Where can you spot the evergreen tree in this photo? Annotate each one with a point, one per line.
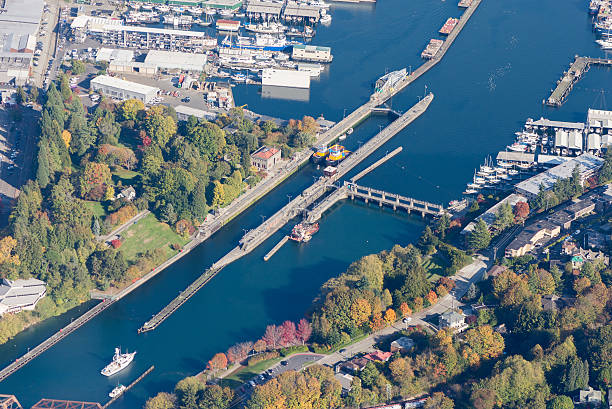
(480, 237)
(471, 292)
(43, 172)
(21, 96)
(95, 227)
(443, 224)
(504, 217)
(65, 90)
(168, 215)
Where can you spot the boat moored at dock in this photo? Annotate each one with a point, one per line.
(320, 154)
(303, 232)
(337, 154)
(449, 26)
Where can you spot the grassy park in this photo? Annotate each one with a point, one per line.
(149, 234)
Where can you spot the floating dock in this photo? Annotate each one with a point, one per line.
(465, 3)
(450, 24)
(376, 164)
(576, 70)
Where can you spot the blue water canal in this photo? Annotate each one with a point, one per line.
(495, 76)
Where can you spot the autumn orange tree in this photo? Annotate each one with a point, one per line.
(482, 343)
(218, 361)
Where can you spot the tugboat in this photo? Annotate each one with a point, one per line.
(337, 153)
(117, 390)
(320, 154)
(303, 232)
(120, 362)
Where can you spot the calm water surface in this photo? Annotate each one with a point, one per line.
(495, 76)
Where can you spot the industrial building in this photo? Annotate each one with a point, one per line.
(266, 10)
(20, 295)
(588, 166)
(184, 112)
(113, 54)
(120, 89)
(227, 25)
(19, 22)
(600, 121)
(222, 4)
(132, 67)
(176, 60)
(113, 32)
(302, 52)
(301, 12)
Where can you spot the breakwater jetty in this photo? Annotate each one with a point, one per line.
(576, 71)
(309, 196)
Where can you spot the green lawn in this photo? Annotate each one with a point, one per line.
(96, 208)
(149, 234)
(125, 176)
(434, 267)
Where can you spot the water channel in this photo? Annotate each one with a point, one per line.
(495, 76)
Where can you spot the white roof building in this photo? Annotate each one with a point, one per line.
(183, 113)
(120, 89)
(19, 295)
(113, 54)
(598, 118)
(588, 164)
(171, 60)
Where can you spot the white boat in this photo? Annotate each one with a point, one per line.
(342, 137)
(524, 165)
(470, 191)
(120, 362)
(117, 390)
(605, 44)
(209, 11)
(266, 28)
(162, 8)
(517, 147)
(513, 172)
(474, 186)
(326, 19)
(350, 131)
(319, 4)
(504, 164)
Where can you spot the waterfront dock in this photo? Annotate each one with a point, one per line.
(130, 386)
(309, 196)
(376, 164)
(577, 69)
(276, 248)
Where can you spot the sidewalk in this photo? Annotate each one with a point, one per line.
(124, 226)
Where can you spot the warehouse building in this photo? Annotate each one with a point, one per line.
(19, 22)
(222, 4)
(302, 52)
(588, 166)
(301, 12)
(176, 60)
(113, 54)
(600, 121)
(266, 10)
(183, 113)
(120, 89)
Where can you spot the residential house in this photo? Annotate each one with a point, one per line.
(346, 381)
(352, 366)
(19, 295)
(266, 158)
(582, 255)
(552, 303)
(403, 345)
(378, 356)
(129, 194)
(589, 396)
(532, 236)
(453, 320)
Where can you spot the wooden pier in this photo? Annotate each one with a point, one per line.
(570, 77)
(301, 203)
(145, 373)
(9, 402)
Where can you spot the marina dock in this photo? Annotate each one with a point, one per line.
(376, 164)
(145, 373)
(570, 77)
(309, 196)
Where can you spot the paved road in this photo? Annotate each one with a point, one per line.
(124, 226)
(463, 279)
